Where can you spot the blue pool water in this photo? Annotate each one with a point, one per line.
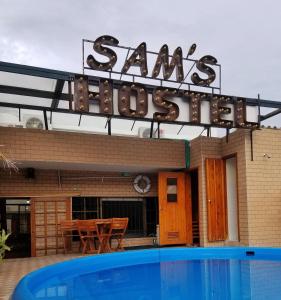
(179, 273)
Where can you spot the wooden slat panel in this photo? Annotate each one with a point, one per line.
(45, 228)
(46, 214)
(56, 226)
(216, 199)
(33, 228)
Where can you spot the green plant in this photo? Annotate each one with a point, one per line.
(3, 246)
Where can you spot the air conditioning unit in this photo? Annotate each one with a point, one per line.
(15, 125)
(34, 123)
(144, 132)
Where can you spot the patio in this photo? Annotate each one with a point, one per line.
(12, 270)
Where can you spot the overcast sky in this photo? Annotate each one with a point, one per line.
(244, 36)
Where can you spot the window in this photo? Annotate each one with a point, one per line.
(84, 208)
(172, 189)
(126, 208)
(142, 212)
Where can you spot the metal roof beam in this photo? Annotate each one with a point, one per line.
(271, 114)
(61, 75)
(57, 93)
(67, 111)
(34, 71)
(13, 90)
(263, 103)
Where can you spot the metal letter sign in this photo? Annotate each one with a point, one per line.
(139, 101)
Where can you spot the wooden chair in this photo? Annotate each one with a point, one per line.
(119, 227)
(67, 227)
(87, 230)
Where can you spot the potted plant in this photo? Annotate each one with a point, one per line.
(3, 245)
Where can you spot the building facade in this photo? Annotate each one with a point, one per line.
(229, 195)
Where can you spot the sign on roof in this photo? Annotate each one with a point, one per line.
(140, 62)
(138, 101)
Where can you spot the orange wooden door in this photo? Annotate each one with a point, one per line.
(172, 209)
(216, 199)
(46, 215)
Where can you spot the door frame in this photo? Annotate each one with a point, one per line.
(233, 155)
(187, 210)
(21, 198)
(197, 169)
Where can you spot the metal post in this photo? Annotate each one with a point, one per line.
(252, 150)
(80, 120)
(259, 103)
(45, 119)
(227, 134)
(220, 78)
(109, 127)
(83, 58)
(180, 129)
(151, 129)
(70, 95)
(133, 125)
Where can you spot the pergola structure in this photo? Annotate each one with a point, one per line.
(52, 91)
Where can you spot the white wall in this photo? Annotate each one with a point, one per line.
(231, 188)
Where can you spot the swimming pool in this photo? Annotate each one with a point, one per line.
(170, 273)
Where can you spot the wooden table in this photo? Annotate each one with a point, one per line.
(103, 230)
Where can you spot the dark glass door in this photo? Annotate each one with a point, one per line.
(15, 219)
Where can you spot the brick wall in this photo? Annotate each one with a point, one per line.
(204, 147)
(101, 151)
(51, 148)
(263, 177)
(236, 145)
(259, 184)
(84, 183)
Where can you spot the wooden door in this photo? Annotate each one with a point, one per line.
(173, 209)
(46, 215)
(216, 199)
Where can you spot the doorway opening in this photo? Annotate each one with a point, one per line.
(232, 198)
(15, 219)
(195, 207)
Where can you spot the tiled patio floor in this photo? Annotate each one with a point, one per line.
(12, 270)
